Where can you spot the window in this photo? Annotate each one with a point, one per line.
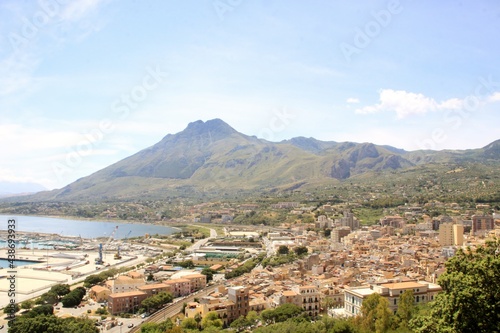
(394, 301)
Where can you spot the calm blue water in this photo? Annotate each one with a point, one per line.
(86, 229)
(4, 263)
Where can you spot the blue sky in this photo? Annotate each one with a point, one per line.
(86, 83)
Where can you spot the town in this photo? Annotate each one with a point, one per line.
(326, 266)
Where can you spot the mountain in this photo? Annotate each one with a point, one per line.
(213, 157)
(19, 188)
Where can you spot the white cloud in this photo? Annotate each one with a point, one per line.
(495, 97)
(407, 103)
(78, 9)
(352, 100)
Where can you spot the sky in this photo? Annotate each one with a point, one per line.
(86, 83)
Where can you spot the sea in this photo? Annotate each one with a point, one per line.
(82, 228)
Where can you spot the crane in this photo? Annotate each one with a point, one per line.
(110, 238)
(103, 248)
(117, 254)
(125, 238)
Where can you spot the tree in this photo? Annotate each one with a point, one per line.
(74, 297)
(470, 299)
(283, 249)
(60, 289)
(26, 305)
(92, 280)
(46, 309)
(11, 307)
(240, 324)
(156, 328)
(50, 297)
(209, 273)
(252, 317)
(211, 320)
(52, 324)
(375, 314)
(186, 264)
(406, 308)
(281, 313)
(189, 324)
(198, 318)
(300, 250)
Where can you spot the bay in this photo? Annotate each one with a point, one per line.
(83, 228)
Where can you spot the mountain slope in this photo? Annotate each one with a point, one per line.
(212, 156)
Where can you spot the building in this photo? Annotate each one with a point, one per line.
(338, 233)
(239, 296)
(422, 291)
(127, 302)
(458, 234)
(124, 283)
(349, 220)
(323, 222)
(481, 224)
(99, 293)
(395, 221)
(179, 287)
(306, 297)
(446, 234)
(309, 298)
(196, 281)
(153, 289)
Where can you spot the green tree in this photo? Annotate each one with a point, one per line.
(300, 250)
(46, 309)
(209, 273)
(74, 297)
(156, 327)
(60, 289)
(186, 264)
(189, 324)
(252, 317)
(211, 320)
(470, 300)
(52, 324)
(283, 249)
(406, 308)
(240, 324)
(92, 280)
(26, 305)
(50, 297)
(11, 307)
(281, 313)
(375, 314)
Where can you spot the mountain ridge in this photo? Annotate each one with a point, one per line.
(213, 155)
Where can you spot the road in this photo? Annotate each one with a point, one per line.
(201, 242)
(174, 308)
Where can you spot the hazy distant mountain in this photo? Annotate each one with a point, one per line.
(17, 188)
(213, 156)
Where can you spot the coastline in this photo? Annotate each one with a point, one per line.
(77, 218)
